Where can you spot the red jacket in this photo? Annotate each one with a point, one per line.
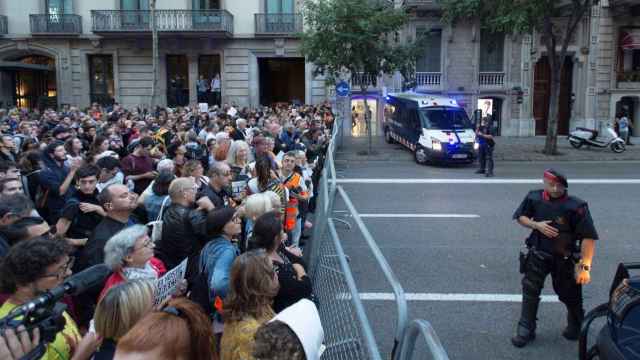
(117, 277)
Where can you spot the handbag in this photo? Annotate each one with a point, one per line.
(156, 226)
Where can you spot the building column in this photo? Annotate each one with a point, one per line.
(254, 81)
(193, 78)
(590, 91)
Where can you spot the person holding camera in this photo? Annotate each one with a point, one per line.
(31, 268)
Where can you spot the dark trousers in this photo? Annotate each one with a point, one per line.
(486, 158)
(540, 264)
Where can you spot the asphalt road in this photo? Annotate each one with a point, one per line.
(477, 255)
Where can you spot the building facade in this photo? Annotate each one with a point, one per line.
(82, 51)
(507, 76)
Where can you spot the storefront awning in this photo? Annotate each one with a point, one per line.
(630, 39)
(17, 65)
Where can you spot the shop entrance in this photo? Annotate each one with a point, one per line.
(31, 81)
(358, 123)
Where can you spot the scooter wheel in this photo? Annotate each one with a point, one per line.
(618, 147)
(577, 144)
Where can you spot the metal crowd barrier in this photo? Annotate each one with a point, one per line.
(348, 333)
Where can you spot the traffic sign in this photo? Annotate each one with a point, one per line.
(343, 89)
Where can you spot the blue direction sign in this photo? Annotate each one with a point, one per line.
(343, 89)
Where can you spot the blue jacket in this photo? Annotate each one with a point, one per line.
(51, 177)
(216, 258)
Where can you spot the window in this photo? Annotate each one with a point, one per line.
(443, 118)
(430, 61)
(491, 52)
(635, 60)
(134, 4)
(57, 7)
(279, 6)
(101, 81)
(206, 4)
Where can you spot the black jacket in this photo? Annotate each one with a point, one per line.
(183, 234)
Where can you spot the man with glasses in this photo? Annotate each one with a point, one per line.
(33, 267)
(139, 165)
(562, 243)
(218, 190)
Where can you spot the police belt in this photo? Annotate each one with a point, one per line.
(544, 255)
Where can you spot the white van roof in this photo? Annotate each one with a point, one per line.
(426, 100)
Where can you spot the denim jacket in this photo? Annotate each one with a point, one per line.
(216, 258)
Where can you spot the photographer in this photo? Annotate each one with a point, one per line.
(31, 268)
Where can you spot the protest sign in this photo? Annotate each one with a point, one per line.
(166, 285)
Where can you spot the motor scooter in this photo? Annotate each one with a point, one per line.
(619, 338)
(583, 136)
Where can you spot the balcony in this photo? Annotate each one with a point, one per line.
(422, 4)
(629, 80)
(55, 24)
(359, 79)
(428, 79)
(118, 22)
(491, 79)
(278, 25)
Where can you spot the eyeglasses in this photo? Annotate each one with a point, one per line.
(62, 272)
(146, 244)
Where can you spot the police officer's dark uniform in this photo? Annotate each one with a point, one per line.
(486, 149)
(556, 256)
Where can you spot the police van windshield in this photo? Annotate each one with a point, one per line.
(444, 118)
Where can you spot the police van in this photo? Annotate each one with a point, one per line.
(434, 128)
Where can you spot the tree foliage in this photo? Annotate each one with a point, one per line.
(556, 20)
(357, 36)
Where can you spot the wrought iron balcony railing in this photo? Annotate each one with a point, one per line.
(278, 24)
(166, 21)
(4, 25)
(52, 24)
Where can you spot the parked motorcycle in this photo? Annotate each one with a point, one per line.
(619, 338)
(583, 136)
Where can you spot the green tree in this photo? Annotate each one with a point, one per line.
(555, 20)
(343, 37)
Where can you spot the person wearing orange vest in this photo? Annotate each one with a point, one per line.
(297, 191)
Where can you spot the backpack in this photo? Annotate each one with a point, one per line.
(156, 226)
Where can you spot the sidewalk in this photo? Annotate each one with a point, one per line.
(507, 149)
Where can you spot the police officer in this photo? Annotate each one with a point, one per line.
(487, 143)
(562, 244)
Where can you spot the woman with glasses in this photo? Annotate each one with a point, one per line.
(31, 268)
(129, 253)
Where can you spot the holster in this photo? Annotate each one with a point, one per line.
(523, 257)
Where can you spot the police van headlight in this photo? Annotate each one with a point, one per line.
(476, 146)
(436, 145)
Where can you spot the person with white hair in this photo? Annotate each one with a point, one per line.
(239, 131)
(238, 160)
(255, 206)
(129, 254)
(164, 166)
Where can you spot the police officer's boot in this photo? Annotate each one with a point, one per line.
(526, 330)
(575, 314)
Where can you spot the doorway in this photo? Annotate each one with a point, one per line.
(209, 71)
(629, 106)
(492, 108)
(177, 80)
(542, 94)
(282, 80)
(358, 123)
(32, 80)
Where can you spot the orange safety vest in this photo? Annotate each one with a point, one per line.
(291, 210)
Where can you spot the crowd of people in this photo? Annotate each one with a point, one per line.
(229, 189)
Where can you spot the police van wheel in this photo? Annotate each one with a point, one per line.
(387, 137)
(420, 156)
